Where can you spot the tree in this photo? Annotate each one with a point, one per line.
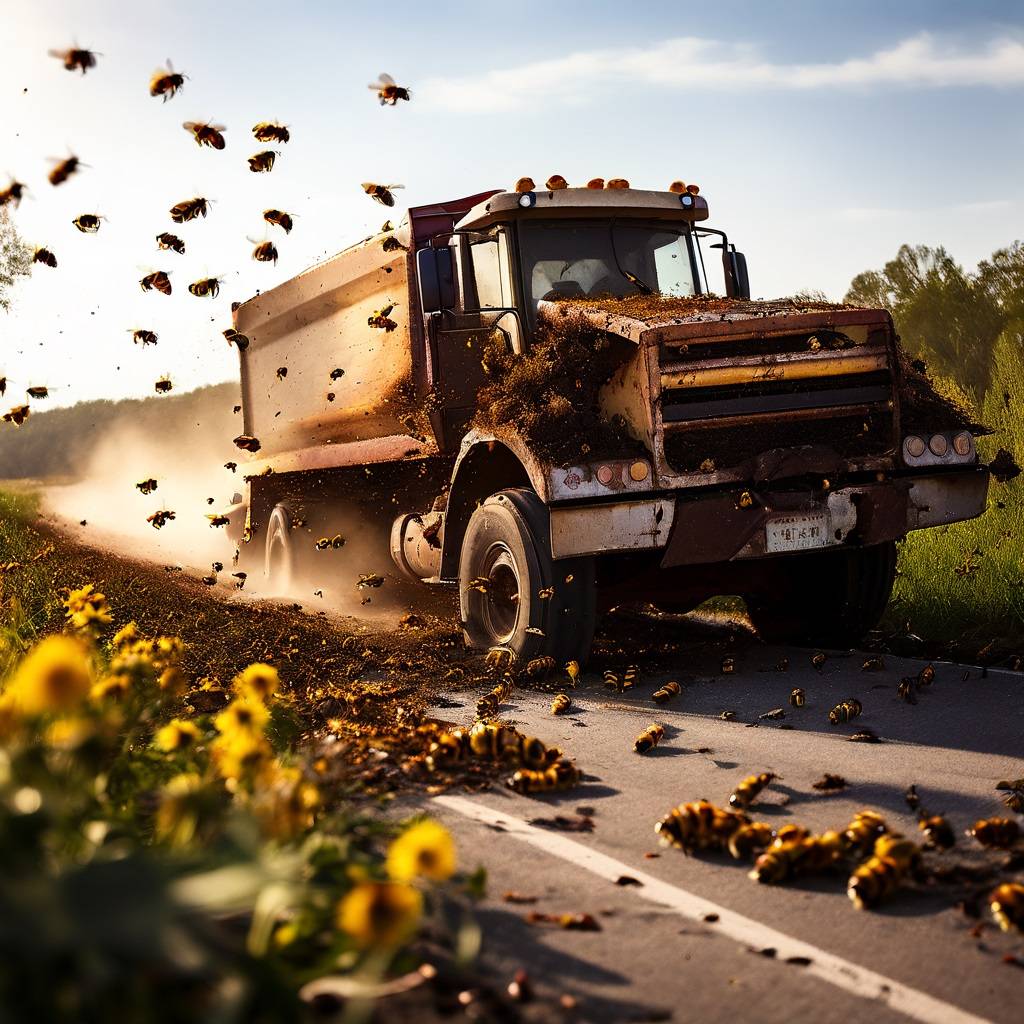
(15, 258)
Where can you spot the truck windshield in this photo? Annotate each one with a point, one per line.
(567, 259)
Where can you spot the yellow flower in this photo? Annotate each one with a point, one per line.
(86, 608)
(70, 733)
(167, 651)
(243, 714)
(186, 805)
(287, 806)
(381, 914)
(241, 755)
(172, 681)
(115, 686)
(258, 680)
(55, 676)
(126, 635)
(425, 850)
(176, 735)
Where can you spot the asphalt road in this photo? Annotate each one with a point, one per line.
(656, 954)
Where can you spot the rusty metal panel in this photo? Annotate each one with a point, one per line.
(333, 456)
(776, 368)
(947, 498)
(622, 526)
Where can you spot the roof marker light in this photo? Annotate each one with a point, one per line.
(686, 199)
(528, 199)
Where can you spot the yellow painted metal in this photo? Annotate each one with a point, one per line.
(780, 368)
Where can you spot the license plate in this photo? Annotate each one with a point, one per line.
(798, 533)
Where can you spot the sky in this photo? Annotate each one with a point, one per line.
(822, 135)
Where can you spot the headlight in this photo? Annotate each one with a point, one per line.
(914, 446)
(939, 445)
(963, 443)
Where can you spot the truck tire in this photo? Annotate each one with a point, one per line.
(507, 542)
(279, 561)
(828, 598)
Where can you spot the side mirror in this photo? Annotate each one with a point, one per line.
(737, 284)
(436, 279)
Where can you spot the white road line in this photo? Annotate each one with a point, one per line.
(826, 966)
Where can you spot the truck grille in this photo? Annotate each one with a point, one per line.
(730, 400)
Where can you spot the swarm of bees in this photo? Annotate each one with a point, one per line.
(388, 92)
(205, 133)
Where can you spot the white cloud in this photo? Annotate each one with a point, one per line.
(694, 63)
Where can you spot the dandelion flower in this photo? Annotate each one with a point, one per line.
(86, 608)
(55, 676)
(241, 755)
(242, 715)
(425, 850)
(176, 735)
(380, 914)
(258, 680)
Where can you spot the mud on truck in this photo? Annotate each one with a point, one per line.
(557, 416)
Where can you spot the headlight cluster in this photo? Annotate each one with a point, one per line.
(939, 449)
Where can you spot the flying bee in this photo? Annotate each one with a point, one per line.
(382, 320)
(76, 59)
(147, 486)
(561, 704)
(218, 520)
(206, 134)
(163, 386)
(142, 337)
(269, 131)
(37, 392)
(1007, 905)
(860, 835)
(747, 791)
(649, 738)
(630, 677)
(205, 286)
(541, 666)
(234, 338)
(699, 826)
(998, 833)
(938, 832)
(262, 162)
(280, 218)
(247, 443)
(881, 875)
(13, 193)
(905, 690)
(158, 520)
(749, 839)
(158, 281)
(189, 209)
(45, 257)
(265, 252)
(797, 697)
(665, 693)
(166, 82)
(88, 223)
(63, 169)
(380, 193)
(388, 92)
(555, 183)
(392, 244)
(17, 415)
(231, 466)
(595, 183)
(165, 240)
(845, 711)
(728, 665)
(560, 775)
(488, 704)
(369, 579)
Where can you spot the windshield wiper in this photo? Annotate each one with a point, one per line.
(644, 289)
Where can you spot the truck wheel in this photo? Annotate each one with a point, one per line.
(507, 551)
(830, 598)
(279, 564)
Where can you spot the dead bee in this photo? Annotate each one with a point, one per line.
(62, 170)
(503, 743)
(269, 131)
(926, 676)
(865, 735)
(860, 835)
(76, 59)
(381, 319)
(938, 832)
(800, 855)
(88, 223)
(818, 660)
(159, 520)
(873, 664)
(280, 218)
(142, 337)
(158, 281)
(17, 415)
(247, 443)
(262, 162)
(649, 738)
(541, 666)
(556, 183)
(612, 680)
(1007, 906)
(13, 193)
(163, 385)
(749, 839)
(774, 715)
(881, 875)
(630, 677)
(369, 579)
(165, 240)
(189, 209)
(166, 82)
(699, 826)
(905, 690)
(1014, 800)
(560, 775)
(487, 706)
(797, 697)
(218, 520)
(845, 711)
(206, 134)
(265, 252)
(234, 338)
(45, 257)
(37, 392)
(829, 783)
(391, 244)
(205, 286)
(728, 665)
(997, 833)
(380, 193)
(747, 791)
(727, 716)
(388, 92)
(147, 486)
(561, 704)
(665, 693)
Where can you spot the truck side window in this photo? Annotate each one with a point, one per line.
(490, 274)
(672, 264)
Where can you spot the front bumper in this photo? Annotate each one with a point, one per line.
(696, 530)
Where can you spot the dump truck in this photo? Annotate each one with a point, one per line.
(541, 399)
